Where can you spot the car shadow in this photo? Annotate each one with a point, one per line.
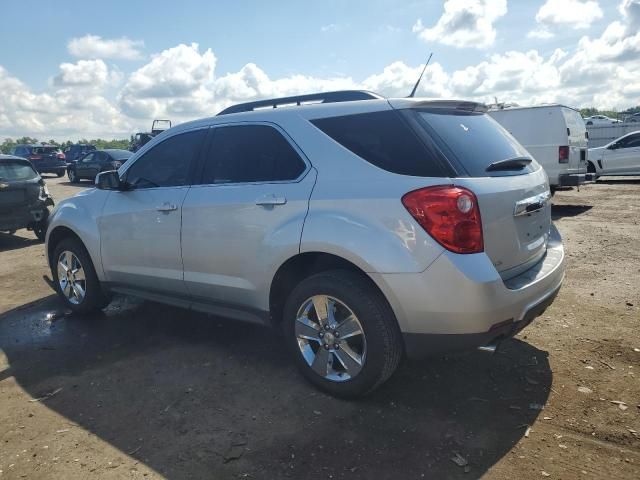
(17, 240)
(81, 183)
(560, 211)
(179, 391)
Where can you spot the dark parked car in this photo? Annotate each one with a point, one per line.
(24, 198)
(95, 162)
(44, 158)
(75, 152)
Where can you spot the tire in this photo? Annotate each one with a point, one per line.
(379, 346)
(60, 173)
(73, 178)
(40, 230)
(553, 190)
(94, 298)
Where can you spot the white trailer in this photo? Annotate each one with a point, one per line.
(555, 135)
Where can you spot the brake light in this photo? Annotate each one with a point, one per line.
(450, 215)
(61, 156)
(563, 154)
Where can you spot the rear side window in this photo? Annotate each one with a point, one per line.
(250, 153)
(383, 139)
(473, 141)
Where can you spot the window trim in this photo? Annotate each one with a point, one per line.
(198, 180)
(192, 174)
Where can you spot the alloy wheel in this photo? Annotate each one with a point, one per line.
(71, 277)
(330, 338)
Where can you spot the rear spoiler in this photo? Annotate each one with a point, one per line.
(461, 105)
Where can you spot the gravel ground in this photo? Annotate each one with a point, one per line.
(149, 391)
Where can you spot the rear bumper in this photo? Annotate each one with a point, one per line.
(571, 179)
(23, 217)
(50, 167)
(461, 301)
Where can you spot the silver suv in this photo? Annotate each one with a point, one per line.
(365, 228)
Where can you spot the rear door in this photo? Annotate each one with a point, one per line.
(85, 165)
(513, 196)
(246, 215)
(576, 140)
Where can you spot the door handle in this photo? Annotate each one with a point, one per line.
(167, 207)
(271, 199)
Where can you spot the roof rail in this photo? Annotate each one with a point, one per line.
(326, 97)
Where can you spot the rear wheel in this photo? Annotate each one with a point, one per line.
(40, 230)
(75, 277)
(60, 173)
(343, 334)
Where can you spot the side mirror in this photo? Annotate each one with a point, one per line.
(108, 180)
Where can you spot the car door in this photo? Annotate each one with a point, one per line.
(140, 226)
(246, 216)
(623, 156)
(83, 166)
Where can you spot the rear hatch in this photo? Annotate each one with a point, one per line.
(18, 184)
(511, 188)
(44, 154)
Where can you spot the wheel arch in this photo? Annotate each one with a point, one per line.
(55, 236)
(303, 265)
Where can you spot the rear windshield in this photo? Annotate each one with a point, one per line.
(16, 171)
(385, 140)
(473, 141)
(44, 150)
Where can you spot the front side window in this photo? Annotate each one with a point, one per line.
(250, 153)
(168, 163)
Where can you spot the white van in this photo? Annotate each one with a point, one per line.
(555, 135)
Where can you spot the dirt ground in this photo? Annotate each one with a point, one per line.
(149, 391)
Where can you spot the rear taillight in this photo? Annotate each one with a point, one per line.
(450, 215)
(61, 156)
(563, 154)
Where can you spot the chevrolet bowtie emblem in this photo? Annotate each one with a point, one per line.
(4, 185)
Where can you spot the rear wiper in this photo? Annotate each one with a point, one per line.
(509, 164)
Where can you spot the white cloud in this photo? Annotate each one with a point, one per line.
(178, 81)
(86, 73)
(464, 23)
(540, 33)
(93, 46)
(570, 13)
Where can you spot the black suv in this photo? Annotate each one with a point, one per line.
(95, 162)
(44, 158)
(73, 153)
(24, 198)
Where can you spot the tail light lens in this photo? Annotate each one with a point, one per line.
(61, 156)
(450, 215)
(563, 154)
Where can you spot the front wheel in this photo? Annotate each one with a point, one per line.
(343, 334)
(73, 177)
(40, 230)
(75, 277)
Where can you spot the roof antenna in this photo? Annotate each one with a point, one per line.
(413, 92)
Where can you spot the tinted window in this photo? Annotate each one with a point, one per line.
(16, 170)
(383, 139)
(251, 153)
(167, 164)
(630, 142)
(88, 158)
(45, 150)
(473, 141)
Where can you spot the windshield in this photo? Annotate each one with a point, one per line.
(15, 171)
(474, 141)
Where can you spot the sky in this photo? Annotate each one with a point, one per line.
(76, 69)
